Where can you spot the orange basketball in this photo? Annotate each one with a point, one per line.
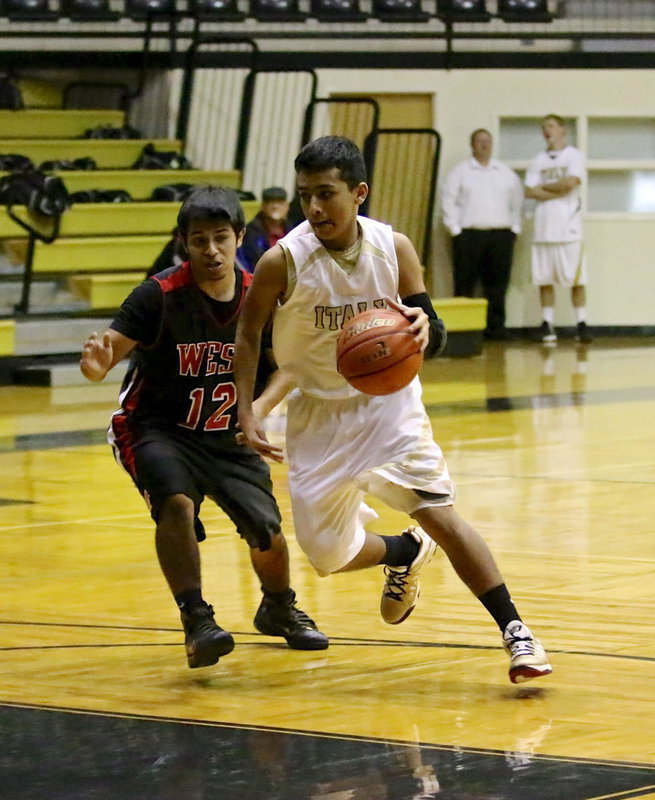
(376, 353)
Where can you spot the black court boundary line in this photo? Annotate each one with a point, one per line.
(325, 735)
(341, 640)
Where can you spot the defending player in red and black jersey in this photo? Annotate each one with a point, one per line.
(175, 432)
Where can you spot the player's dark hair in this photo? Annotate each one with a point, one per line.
(207, 202)
(329, 152)
(556, 117)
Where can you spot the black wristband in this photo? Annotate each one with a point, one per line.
(438, 335)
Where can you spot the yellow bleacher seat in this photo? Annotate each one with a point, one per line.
(106, 290)
(97, 254)
(140, 183)
(465, 319)
(41, 93)
(101, 219)
(462, 313)
(59, 123)
(7, 337)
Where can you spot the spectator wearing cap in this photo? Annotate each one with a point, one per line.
(267, 227)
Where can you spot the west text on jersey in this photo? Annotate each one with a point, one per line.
(210, 358)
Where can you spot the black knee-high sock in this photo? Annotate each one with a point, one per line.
(401, 550)
(499, 604)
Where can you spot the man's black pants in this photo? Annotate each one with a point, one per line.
(484, 256)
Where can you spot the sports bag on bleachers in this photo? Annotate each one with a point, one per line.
(151, 158)
(10, 94)
(101, 196)
(172, 192)
(12, 162)
(42, 194)
(59, 165)
(112, 132)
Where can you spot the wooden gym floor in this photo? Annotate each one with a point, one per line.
(553, 451)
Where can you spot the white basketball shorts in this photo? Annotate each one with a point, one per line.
(561, 263)
(339, 450)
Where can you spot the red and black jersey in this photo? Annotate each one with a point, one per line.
(180, 374)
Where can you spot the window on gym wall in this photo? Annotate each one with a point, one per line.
(620, 154)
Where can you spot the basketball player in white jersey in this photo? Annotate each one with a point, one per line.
(553, 179)
(341, 443)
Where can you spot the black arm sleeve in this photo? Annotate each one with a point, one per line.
(438, 335)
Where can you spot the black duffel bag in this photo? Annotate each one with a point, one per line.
(172, 192)
(42, 194)
(101, 196)
(152, 158)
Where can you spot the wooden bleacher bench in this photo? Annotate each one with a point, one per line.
(55, 123)
(107, 153)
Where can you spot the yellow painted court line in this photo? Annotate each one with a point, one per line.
(628, 793)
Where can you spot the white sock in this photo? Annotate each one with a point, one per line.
(581, 314)
(548, 314)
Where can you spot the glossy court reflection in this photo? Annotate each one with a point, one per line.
(556, 470)
(137, 758)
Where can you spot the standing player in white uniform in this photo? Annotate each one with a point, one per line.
(553, 179)
(341, 443)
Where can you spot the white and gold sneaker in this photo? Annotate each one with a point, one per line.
(402, 588)
(527, 657)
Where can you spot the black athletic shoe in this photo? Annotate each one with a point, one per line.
(286, 619)
(546, 333)
(582, 333)
(204, 640)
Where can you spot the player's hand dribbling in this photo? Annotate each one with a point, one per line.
(420, 322)
(97, 355)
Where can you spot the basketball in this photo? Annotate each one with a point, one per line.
(377, 353)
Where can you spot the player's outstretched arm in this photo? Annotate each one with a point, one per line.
(268, 285)
(278, 387)
(99, 355)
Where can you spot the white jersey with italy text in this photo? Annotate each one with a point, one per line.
(559, 219)
(306, 327)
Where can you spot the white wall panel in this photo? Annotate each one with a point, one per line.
(278, 112)
(214, 118)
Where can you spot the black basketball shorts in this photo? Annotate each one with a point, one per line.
(233, 476)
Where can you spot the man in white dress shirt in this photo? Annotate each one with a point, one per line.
(553, 179)
(481, 202)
